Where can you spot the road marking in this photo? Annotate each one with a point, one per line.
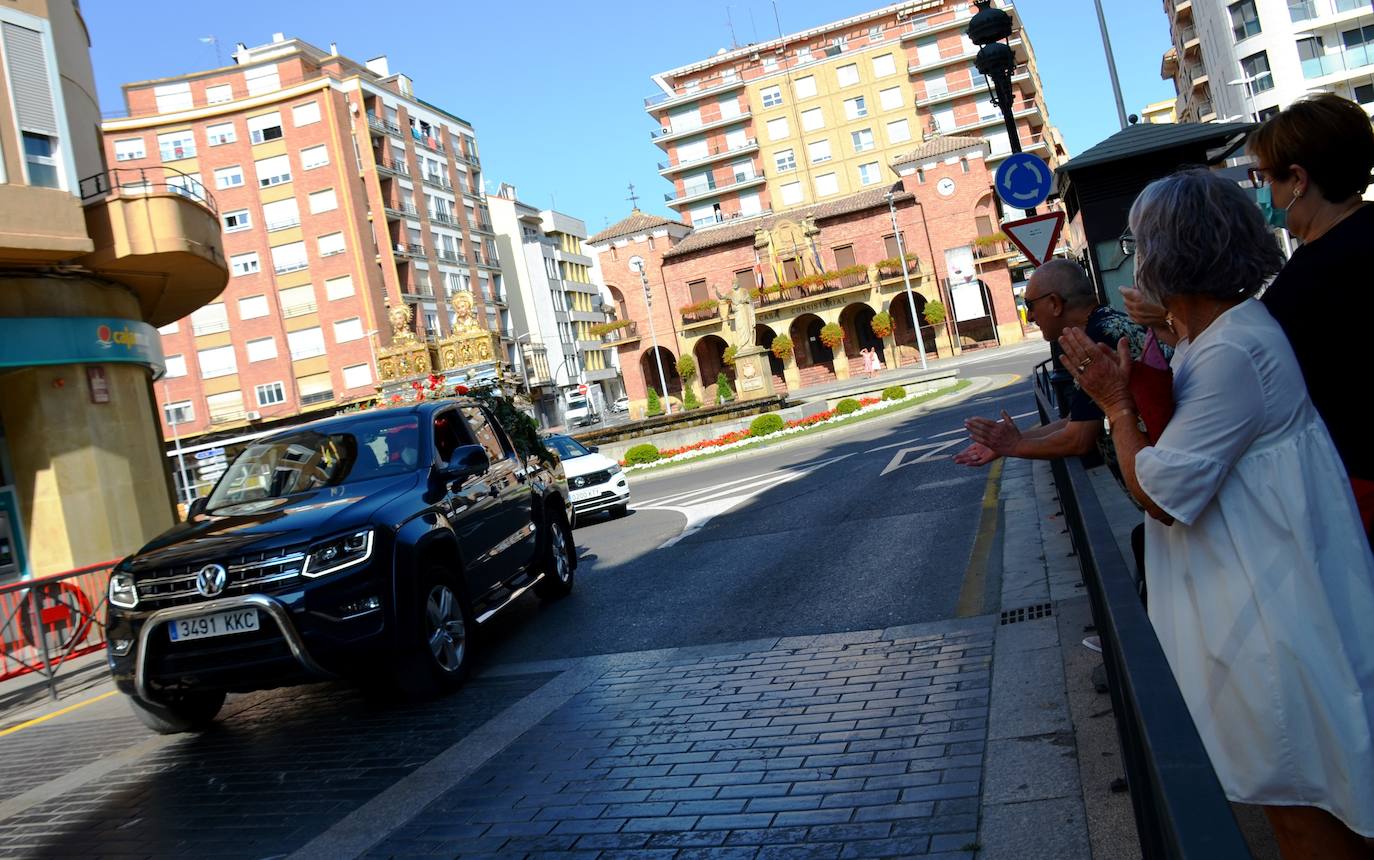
(707, 504)
(932, 450)
(975, 575)
(952, 482)
(67, 710)
(948, 433)
(678, 498)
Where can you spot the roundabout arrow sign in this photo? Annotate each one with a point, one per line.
(1023, 180)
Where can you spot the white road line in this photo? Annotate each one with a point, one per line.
(681, 497)
(932, 450)
(962, 430)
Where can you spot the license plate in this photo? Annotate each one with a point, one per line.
(219, 624)
(584, 495)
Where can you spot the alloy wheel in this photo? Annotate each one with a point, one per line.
(447, 632)
(562, 568)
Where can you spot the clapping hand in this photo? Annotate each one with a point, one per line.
(1099, 370)
(998, 437)
(975, 455)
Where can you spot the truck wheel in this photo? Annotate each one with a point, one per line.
(556, 563)
(182, 712)
(442, 650)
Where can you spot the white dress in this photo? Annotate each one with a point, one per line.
(1262, 591)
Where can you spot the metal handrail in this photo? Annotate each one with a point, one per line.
(119, 182)
(1180, 809)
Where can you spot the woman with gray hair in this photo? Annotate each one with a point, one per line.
(1259, 574)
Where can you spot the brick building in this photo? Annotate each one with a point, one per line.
(826, 262)
(340, 193)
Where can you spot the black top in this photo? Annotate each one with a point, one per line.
(1323, 289)
(1108, 326)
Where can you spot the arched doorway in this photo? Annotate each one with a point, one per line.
(806, 341)
(710, 357)
(621, 311)
(903, 332)
(857, 322)
(648, 367)
(764, 336)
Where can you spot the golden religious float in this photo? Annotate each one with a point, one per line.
(468, 356)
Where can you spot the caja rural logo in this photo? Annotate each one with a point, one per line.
(125, 337)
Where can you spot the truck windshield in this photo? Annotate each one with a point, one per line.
(307, 460)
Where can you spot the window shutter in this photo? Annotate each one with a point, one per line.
(28, 73)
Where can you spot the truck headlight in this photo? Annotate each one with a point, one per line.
(337, 554)
(123, 591)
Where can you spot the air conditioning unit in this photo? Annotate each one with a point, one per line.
(253, 415)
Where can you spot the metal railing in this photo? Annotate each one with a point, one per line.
(46, 621)
(716, 152)
(392, 165)
(625, 332)
(141, 181)
(1180, 810)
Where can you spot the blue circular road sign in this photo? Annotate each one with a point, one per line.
(1023, 180)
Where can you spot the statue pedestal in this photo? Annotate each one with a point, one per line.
(753, 375)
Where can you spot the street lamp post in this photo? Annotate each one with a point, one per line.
(638, 265)
(990, 29)
(906, 278)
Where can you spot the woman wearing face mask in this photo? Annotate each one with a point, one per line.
(1312, 163)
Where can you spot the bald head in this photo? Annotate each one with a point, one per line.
(1059, 296)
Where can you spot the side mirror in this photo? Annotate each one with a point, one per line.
(467, 461)
(197, 508)
(594, 449)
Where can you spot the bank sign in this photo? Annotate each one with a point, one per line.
(37, 341)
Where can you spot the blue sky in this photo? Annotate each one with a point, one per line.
(556, 90)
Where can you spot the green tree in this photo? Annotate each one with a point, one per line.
(724, 394)
(655, 406)
(686, 368)
(689, 398)
(934, 312)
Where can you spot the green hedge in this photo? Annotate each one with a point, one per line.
(766, 424)
(894, 392)
(847, 406)
(639, 454)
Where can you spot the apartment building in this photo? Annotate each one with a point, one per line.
(91, 261)
(817, 115)
(341, 193)
(1250, 58)
(557, 297)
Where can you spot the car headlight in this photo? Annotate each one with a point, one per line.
(123, 591)
(337, 554)
(614, 470)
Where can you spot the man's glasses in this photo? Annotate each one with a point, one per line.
(1030, 303)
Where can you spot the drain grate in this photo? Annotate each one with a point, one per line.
(1028, 613)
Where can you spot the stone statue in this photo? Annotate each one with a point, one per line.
(742, 316)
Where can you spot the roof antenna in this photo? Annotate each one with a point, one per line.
(734, 43)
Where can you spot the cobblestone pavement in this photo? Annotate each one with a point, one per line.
(854, 745)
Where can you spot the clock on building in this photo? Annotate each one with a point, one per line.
(945, 187)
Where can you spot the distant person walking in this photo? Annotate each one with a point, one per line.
(1261, 582)
(1312, 164)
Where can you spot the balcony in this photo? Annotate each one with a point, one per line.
(450, 257)
(624, 331)
(438, 181)
(712, 189)
(719, 154)
(283, 224)
(299, 309)
(590, 345)
(1192, 45)
(1199, 83)
(287, 268)
(1022, 111)
(410, 250)
(922, 27)
(1340, 64)
(1183, 11)
(443, 218)
(392, 167)
(468, 191)
(433, 144)
(668, 100)
(481, 227)
(397, 211)
(1206, 111)
(1022, 73)
(156, 231)
(1168, 66)
(382, 126)
(664, 135)
(1034, 143)
(417, 291)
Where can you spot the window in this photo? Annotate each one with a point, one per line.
(963, 165)
(847, 75)
(1359, 46)
(176, 145)
(777, 128)
(826, 184)
(743, 171)
(805, 87)
(181, 412)
(890, 98)
(244, 264)
(862, 139)
(236, 220)
(936, 84)
(884, 66)
(281, 214)
(323, 201)
(812, 119)
(218, 361)
(220, 133)
(855, 108)
(129, 150)
(315, 388)
(261, 80)
(772, 96)
(225, 407)
(262, 349)
(818, 151)
(209, 319)
(892, 247)
(357, 376)
(898, 131)
(697, 292)
(729, 107)
(1312, 55)
(306, 343)
(770, 65)
(273, 171)
(685, 120)
(229, 177)
(270, 394)
(297, 301)
(264, 127)
(1256, 68)
(349, 329)
(40, 156)
(331, 244)
(176, 366)
(1364, 94)
(870, 173)
(305, 114)
(169, 328)
(785, 160)
(920, 176)
(750, 204)
(875, 33)
(315, 156)
(219, 94)
(792, 193)
(173, 97)
(1244, 19)
(338, 288)
(694, 150)
(289, 258)
(1301, 10)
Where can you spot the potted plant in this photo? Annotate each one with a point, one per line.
(832, 335)
(934, 312)
(729, 356)
(782, 347)
(882, 324)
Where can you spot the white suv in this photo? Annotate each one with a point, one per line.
(595, 481)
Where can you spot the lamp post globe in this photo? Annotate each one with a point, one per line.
(989, 25)
(990, 30)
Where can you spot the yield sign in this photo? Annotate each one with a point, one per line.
(1036, 236)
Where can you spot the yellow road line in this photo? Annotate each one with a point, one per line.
(67, 710)
(975, 576)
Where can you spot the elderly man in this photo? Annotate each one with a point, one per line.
(1059, 296)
